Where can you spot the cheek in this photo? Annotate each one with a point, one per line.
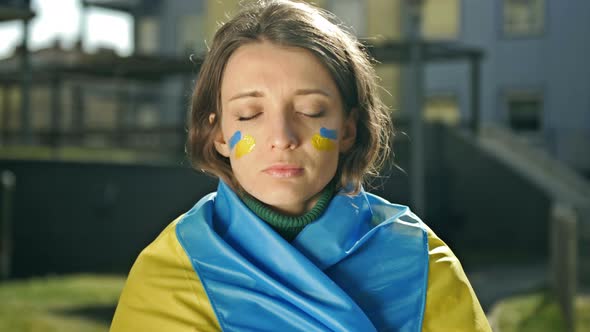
(325, 140)
(245, 146)
(236, 137)
(326, 165)
(241, 144)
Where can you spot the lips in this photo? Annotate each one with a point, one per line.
(284, 171)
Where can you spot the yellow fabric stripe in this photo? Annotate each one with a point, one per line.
(163, 293)
(451, 304)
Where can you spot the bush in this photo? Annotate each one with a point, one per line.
(538, 312)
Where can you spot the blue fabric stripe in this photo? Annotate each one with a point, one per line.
(203, 211)
(345, 272)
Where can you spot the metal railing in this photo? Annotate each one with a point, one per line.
(8, 182)
(563, 261)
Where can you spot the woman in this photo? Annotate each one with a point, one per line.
(286, 114)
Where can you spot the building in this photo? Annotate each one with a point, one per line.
(534, 77)
(98, 99)
(535, 74)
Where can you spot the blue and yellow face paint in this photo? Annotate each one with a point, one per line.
(242, 145)
(324, 140)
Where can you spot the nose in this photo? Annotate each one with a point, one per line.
(282, 133)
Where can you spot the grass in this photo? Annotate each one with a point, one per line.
(81, 303)
(85, 303)
(538, 312)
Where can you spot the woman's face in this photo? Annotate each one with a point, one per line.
(282, 124)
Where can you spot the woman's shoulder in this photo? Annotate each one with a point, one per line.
(165, 249)
(451, 303)
(163, 292)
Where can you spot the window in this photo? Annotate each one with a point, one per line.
(14, 105)
(523, 18)
(147, 35)
(524, 111)
(11, 36)
(191, 36)
(352, 13)
(218, 11)
(101, 110)
(389, 76)
(40, 113)
(147, 116)
(442, 109)
(441, 19)
(383, 19)
(67, 109)
(109, 29)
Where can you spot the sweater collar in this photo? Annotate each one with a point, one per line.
(289, 226)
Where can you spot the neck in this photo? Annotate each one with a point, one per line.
(285, 223)
(298, 209)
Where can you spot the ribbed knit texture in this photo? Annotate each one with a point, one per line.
(289, 226)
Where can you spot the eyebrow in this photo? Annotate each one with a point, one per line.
(247, 94)
(298, 92)
(303, 92)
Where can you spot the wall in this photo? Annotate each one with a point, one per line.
(75, 217)
(553, 63)
(82, 217)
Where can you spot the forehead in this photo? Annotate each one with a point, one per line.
(267, 66)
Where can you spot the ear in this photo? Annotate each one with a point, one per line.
(220, 144)
(348, 137)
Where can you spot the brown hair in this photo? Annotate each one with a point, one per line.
(291, 23)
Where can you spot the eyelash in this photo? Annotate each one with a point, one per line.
(313, 116)
(246, 118)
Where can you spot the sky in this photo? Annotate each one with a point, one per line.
(62, 20)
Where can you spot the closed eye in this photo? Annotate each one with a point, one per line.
(250, 117)
(314, 114)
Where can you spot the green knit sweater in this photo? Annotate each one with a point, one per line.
(289, 226)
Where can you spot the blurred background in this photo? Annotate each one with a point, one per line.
(490, 99)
